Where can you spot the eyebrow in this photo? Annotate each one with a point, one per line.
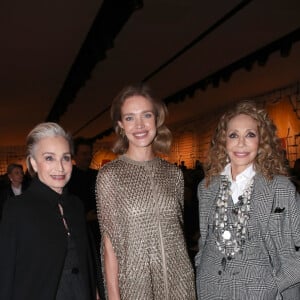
(47, 152)
(142, 112)
(235, 129)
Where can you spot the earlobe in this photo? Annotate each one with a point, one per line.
(122, 131)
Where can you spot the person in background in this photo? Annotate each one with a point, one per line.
(15, 175)
(182, 165)
(44, 249)
(83, 185)
(83, 179)
(140, 206)
(249, 213)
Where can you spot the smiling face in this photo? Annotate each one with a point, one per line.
(52, 162)
(242, 140)
(138, 122)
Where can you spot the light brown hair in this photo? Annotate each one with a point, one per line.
(163, 139)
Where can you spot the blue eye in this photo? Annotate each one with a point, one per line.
(148, 115)
(67, 158)
(128, 118)
(48, 158)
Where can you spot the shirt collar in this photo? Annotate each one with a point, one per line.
(247, 174)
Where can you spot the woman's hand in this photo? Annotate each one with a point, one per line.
(97, 295)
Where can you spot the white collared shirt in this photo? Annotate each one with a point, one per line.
(17, 190)
(242, 181)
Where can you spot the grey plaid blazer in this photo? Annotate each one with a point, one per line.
(276, 207)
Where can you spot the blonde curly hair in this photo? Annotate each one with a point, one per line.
(270, 158)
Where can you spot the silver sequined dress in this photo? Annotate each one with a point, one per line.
(140, 206)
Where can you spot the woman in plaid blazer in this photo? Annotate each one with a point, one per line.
(249, 213)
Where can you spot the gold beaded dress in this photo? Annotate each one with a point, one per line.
(140, 209)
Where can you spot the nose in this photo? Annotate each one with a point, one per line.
(139, 123)
(241, 141)
(60, 166)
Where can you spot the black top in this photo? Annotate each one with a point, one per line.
(33, 244)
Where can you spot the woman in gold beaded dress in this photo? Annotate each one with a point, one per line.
(140, 206)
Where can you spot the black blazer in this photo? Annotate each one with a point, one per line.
(33, 244)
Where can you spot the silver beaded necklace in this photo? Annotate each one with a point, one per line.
(230, 237)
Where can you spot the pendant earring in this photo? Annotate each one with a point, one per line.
(122, 132)
(227, 160)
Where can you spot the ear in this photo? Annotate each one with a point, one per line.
(33, 164)
(120, 124)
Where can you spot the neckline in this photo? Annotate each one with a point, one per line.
(45, 192)
(125, 158)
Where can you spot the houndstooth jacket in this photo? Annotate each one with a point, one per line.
(276, 208)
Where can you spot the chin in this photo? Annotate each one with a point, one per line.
(60, 184)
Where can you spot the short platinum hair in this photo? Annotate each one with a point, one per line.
(39, 132)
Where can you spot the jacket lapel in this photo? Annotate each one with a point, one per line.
(208, 204)
(262, 202)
